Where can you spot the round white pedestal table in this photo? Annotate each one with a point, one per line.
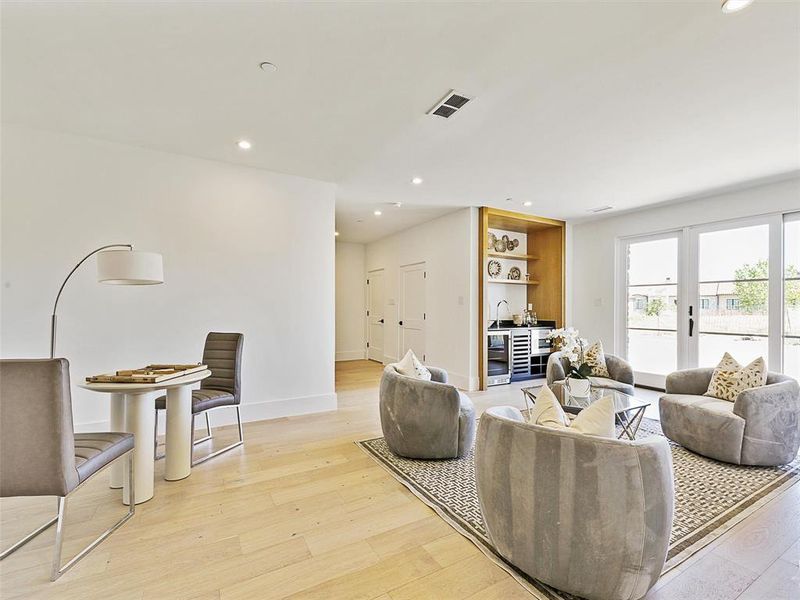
(133, 410)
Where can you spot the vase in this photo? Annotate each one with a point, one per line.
(578, 388)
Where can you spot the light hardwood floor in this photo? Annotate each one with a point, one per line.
(302, 512)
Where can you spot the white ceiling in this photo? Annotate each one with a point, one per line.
(576, 105)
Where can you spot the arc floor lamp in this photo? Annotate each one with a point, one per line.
(121, 266)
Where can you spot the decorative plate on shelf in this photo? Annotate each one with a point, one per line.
(514, 243)
(492, 240)
(506, 239)
(514, 273)
(494, 268)
(500, 245)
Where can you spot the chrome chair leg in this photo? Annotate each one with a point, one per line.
(226, 448)
(58, 570)
(27, 538)
(194, 442)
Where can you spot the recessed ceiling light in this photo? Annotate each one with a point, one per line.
(732, 6)
(244, 145)
(336, 233)
(527, 203)
(416, 180)
(267, 67)
(377, 213)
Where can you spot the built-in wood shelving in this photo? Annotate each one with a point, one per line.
(514, 281)
(512, 256)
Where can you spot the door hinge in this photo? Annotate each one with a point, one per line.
(423, 358)
(367, 281)
(367, 313)
(367, 344)
(424, 274)
(424, 316)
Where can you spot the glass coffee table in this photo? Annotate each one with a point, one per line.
(628, 410)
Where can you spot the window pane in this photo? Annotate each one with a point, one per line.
(653, 351)
(742, 348)
(791, 298)
(733, 294)
(652, 305)
(730, 254)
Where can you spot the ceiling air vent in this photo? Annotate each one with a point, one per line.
(448, 105)
(600, 209)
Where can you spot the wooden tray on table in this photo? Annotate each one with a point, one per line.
(148, 374)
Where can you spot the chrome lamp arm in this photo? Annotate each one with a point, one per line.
(61, 289)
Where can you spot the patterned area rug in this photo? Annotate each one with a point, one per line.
(710, 497)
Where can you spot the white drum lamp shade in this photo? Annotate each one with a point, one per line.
(129, 267)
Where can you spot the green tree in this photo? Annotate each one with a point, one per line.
(753, 295)
(655, 307)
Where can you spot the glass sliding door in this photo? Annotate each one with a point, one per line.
(731, 304)
(651, 300)
(791, 295)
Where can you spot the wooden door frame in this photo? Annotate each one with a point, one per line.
(525, 223)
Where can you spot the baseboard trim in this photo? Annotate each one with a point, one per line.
(650, 387)
(350, 355)
(251, 411)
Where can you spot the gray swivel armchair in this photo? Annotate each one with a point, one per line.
(619, 369)
(42, 456)
(425, 419)
(762, 427)
(587, 515)
(223, 356)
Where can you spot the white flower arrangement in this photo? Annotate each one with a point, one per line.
(570, 343)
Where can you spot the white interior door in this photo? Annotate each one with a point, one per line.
(412, 310)
(376, 292)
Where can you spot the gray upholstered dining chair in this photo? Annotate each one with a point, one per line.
(223, 355)
(587, 515)
(41, 453)
(620, 371)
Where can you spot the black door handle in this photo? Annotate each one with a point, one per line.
(381, 321)
(691, 327)
(400, 323)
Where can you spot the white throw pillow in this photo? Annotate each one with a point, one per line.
(547, 410)
(411, 367)
(596, 358)
(730, 378)
(596, 419)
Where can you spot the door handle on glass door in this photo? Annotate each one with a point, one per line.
(691, 327)
(400, 323)
(381, 321)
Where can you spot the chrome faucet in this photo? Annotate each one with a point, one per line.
(497, 313)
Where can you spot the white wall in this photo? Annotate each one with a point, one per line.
(448, 246)
(244, 250)
(350, 301)
(593, 248)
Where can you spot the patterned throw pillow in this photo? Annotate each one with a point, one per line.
(411, 367)
(596, 358)
(730, 378)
